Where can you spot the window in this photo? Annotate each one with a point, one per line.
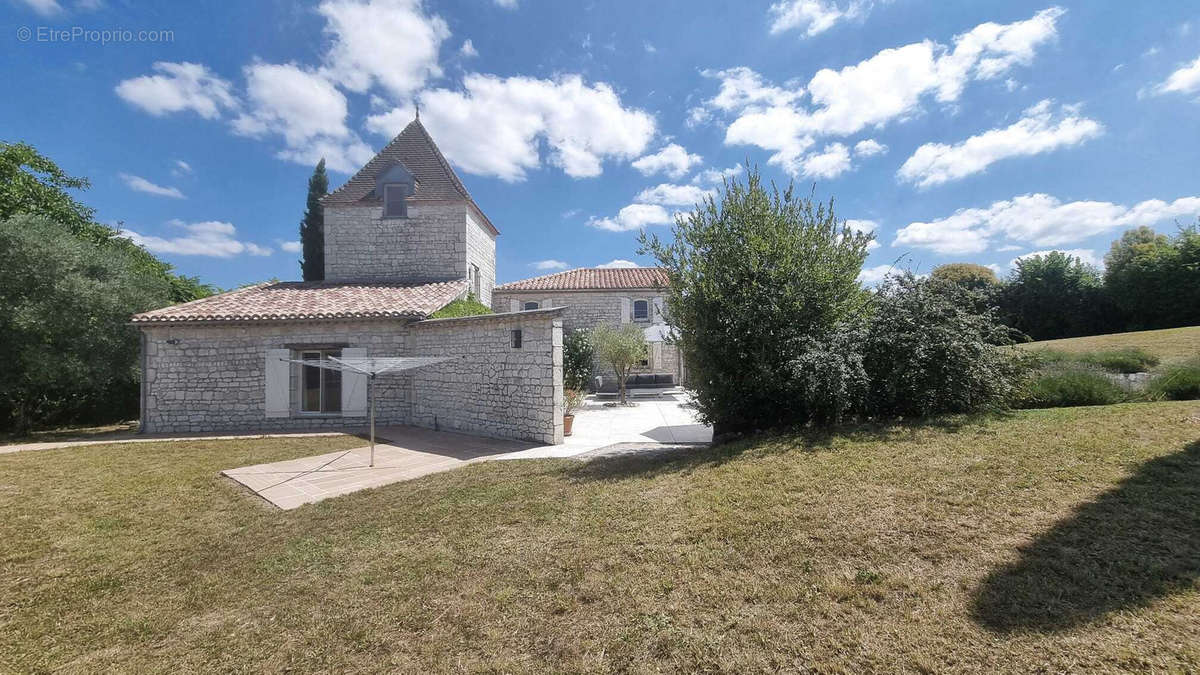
(475, 281)
(641, 310)
(531, 305)
(516, 339)
(394, 205)
(320, 388)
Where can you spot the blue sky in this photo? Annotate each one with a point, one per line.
(958, 131)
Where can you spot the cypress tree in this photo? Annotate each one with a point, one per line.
(312, 228)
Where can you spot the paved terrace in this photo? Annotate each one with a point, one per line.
(403, 453)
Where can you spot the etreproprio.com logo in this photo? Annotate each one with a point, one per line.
(102, 36)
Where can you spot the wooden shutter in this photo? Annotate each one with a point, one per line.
(514, 305)
(354, 386)
(278, 376)
(626, 310)
(546, 303)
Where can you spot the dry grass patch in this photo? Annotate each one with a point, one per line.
(1047, 540)
(1171, 344)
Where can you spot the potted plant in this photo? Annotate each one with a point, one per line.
(571, 400)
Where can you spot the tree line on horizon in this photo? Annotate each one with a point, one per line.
(1149, 281)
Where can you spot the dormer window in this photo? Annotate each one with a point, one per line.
(394, 186)
(394, 204)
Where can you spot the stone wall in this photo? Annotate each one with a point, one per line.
(584, 309)
(204, 378)
(587, 309)
(429, 245)
(491, 388)
(481, 251)
(212, 378)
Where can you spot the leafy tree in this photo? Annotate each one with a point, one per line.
(312, 227)
(1055, 296)
(31, 183)
(968, 275)
(757, 281)
(68, 352)
(622, 348)
(1153, 279)
(927, 350)
(579, 360)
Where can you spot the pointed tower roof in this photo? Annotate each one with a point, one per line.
(415, 149)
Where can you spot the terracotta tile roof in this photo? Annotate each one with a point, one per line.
(415, 149)
(592, 278)
(293, 300)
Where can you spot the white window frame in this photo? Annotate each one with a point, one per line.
(323, 374)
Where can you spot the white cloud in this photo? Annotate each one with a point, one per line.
(291, 246)
(673, 160)
(1037, 132)
(44, 7)
(1087, 255)
(390, 43)
(869, 148)
(467, 50)
(570, 213)
(864, 227)
(873, 275)
(618, 263)
(1185, 80)
(209, 238)
(1037, 219)
(547, 265)
(667, 194)
(633, 217)
(140, 184)
(506, 4)
(306, 110)
(181, 167)
(813, 16)
(831, 162)
(715, 176)
(889, 86)
(496, 126)
(179, 87)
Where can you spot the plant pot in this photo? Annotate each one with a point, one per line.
(567, 421)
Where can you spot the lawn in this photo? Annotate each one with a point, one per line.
(1047, 540)
(1171, 344)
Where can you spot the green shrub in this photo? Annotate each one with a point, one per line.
(468, 306)
(1177, 382)
(1128, 360)
(1069, 384)
(579, 360)
(758, 277)
(927, 351)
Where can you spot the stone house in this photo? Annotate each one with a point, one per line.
(591, 296)
(403, 238)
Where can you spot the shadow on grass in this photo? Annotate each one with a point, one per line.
(1134, 544)
(648, 463)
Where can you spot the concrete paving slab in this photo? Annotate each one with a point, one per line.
(405, 453)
